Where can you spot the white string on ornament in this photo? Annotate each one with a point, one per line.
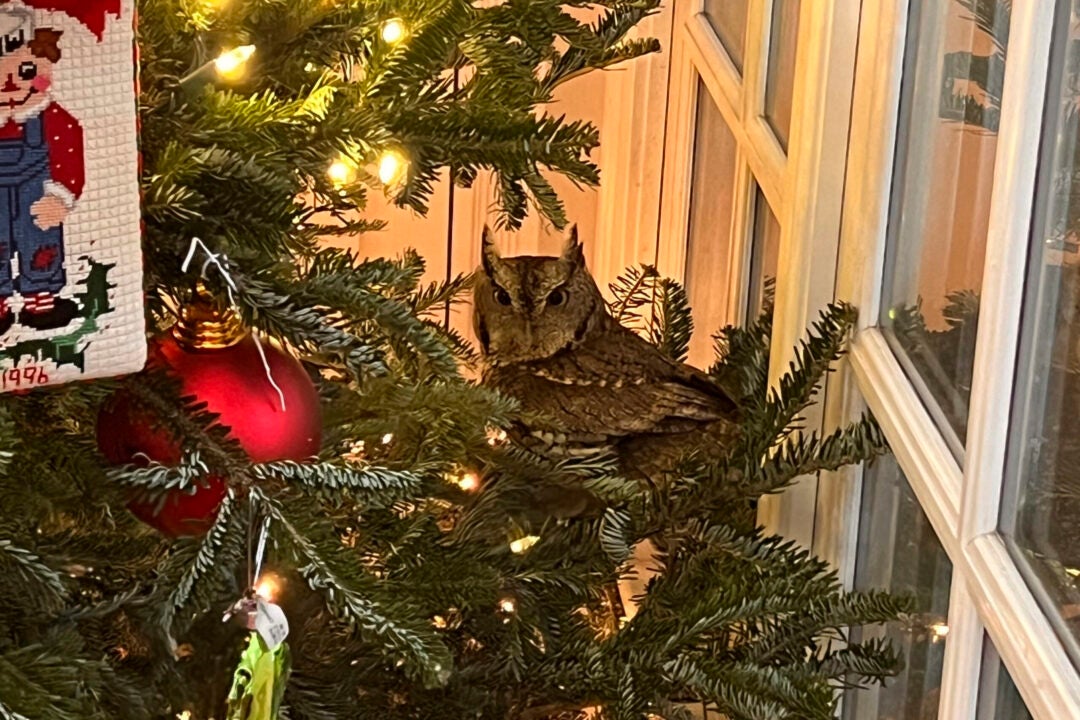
(230, 286)
(266, 367)
(211, 257)
(260, 550)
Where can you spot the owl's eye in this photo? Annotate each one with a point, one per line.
(502, 297)
(556, 297)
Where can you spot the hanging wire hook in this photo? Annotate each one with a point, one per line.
(219, 260)
(215, 259)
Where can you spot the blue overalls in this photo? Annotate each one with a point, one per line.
(24, 170)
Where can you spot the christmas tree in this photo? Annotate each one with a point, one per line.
(404, 545)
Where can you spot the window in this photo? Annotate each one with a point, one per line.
(780, 83)
(898, 551)
(940, 209)
(958, 247)
(1041, 515)
(712, 201)
(728, 20)
(998, 697)
(726, 174)
(902, 165)
(764, 256)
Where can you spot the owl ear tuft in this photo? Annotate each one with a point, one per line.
(573, 253)
(490, 254)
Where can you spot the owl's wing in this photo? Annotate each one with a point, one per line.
(616, 387)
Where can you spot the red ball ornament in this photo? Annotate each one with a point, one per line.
(217, 363)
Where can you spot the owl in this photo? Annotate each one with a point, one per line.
(587, 383)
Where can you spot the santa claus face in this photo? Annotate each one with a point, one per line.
(24, 82)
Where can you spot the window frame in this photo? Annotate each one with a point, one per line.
(963, 503)
(849, 61)
(796, 184)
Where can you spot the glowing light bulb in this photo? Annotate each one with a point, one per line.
(230, 62)
(268, 587)
(392, 166)
(387, 438)
(939, 630)
(508, 605)
(340, 172)
(393, 31)
(469, 482)
(522, 544)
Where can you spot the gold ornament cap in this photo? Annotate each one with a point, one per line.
(206, 323)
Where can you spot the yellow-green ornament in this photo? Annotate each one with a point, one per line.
(259, 682)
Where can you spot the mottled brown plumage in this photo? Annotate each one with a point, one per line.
(587, 383)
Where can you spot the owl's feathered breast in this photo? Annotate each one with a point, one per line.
(618, 391)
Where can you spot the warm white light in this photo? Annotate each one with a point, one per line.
(940, 631)
(496, 436)
(523, 544)
(391, 167)
(469, 482)
(268, 587)
(387, 438)
(231, 61)
(508, 605)
(393, 31)
(340, 172)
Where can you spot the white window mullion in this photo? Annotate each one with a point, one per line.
(920, 449)
(712, 62)
(742, 235)
(862, 256)
(963, 655)
(1025, 639)
(869, 175)
(679, 143)
(763, 153)
(810, 213)
(1006, 257)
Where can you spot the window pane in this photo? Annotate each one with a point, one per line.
(709, 249)
(998, 697)
(899, 551)
(728, 18)
(780, 81)
(949, 106)
(1041, 512)
(764, 255)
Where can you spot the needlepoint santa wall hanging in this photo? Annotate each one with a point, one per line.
(70, 253)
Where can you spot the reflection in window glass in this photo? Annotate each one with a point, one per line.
(708, 255)
(949, 108)
(728, 19)
(780, 81)
(898, 551)
(764, 256)
(1041, 512)
(998, 697)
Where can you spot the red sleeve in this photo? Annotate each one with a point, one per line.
(64, 135)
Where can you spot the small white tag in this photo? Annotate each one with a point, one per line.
(271, 624)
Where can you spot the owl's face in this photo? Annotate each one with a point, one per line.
(529, 308)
